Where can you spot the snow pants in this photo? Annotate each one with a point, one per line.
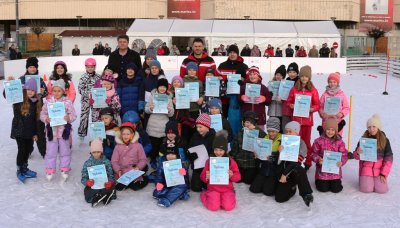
(61, 148)
(214, 200)
(372, 184)
(334, 186)
(285, 191)
(305, 135)
(167, 196)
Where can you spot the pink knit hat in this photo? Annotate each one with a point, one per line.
(177, 77)
(108, 77)
(96, 145)
(204, 119)
(334, 76)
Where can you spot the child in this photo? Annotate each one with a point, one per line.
(291, 174)
(374, 175)
(107, 116)
(253, 76)
(128, 90)
(128, 155)
(151, 54)
(173, 140)
(144, 139)
(203, 136)
(58, 143)
(266, 180)
(166, 196)
(112, 100)
(331, 141)
(86, 83)
(157, 121)
(24, 127)
(222, 94)
(220, 196)
(304, 86)
(275, 108)
(246, 160)
(60, 72)
(287, 113)
(107, 70)
(215, 108)
(106, 194)
(333, 90)
(180, 114)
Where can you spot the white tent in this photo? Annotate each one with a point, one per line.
(241, 32)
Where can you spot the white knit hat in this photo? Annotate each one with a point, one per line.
(375, 120)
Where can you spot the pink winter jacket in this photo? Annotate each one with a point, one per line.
(344, 104)
(304, 121)
(381, 167)
(319, 146)
(221, 188)
(125, 157)
(70, 92)
(69, 110)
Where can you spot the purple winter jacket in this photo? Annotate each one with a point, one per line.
(319, 146)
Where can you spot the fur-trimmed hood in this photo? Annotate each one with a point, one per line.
(118, 138)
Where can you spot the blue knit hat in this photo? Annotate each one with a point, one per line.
(31, 85)
(192, 65)
(155, 63)
(131, 66)
(215, 103)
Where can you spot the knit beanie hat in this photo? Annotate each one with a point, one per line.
(162, 82)
(331, 123)
(107, 112)
(335, 77)
(233, 48)
(215, 103)
(171, 127)
(294, 125)
(31, 84)
(293, 67)
(155, 63)
(32, 61)
(96, 145)
(131, 66)
(221, 140)
(151, 53)
(192, 65)
(273, 124)
(204, 119)
(255, 70)
(177, 77)
(58, 83)
(375, 120)
(108, 77)
(250, 116)
(281, 70)
(305, 71)
(210, 71)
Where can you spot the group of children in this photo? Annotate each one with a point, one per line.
(139, 139)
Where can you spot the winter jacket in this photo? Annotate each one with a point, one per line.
(286, 110)
(160, 51)
(24, 127)
(204, 63)
(86, 83)
(197, 140)
(149, 83)
(118, 63)
(70, 92)
(109, 141)
(269, 52)
(233, 67)
(218, 187)
(305, 121)
(128, 92)
(319, 146)
(344, 107)
(245, 52)
(289, 52)
(125, 157)
(179, 144)
(257, 108)
(301, 53)
(227, 127)
(114, 104)
(93, 162)
(244, 158)
(289, 166)
(324, 52)
(234, 114)
(255, 52)
(194, 107)
(69, 110)
(76, 52)
(268, 168)
(313, 53)
(144, 140)
(381, 167)
(275, 108)
(157, 121)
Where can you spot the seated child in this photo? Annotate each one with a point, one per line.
(107, 115)
(215, 108)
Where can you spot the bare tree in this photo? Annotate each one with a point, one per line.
(119, 24)
(37, 28)
(375, 33)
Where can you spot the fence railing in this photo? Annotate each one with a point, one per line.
(364, 62)
(393, 66)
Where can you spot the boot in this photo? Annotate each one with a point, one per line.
(20, 175)
(27, 172)
(108, 198)
(308, 198)
(97, 198)
(64, 175)
(49, 176)
(350, 155)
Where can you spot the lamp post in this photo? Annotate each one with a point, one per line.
(79, 21)
(17, 21)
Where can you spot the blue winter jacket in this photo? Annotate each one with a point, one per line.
(128, 92)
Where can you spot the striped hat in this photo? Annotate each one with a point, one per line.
(255, 70)
(204, 119)
(108, 77)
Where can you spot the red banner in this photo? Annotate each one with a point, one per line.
(184, 9)
(376, 14)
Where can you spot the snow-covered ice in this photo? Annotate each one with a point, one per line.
(39, 203)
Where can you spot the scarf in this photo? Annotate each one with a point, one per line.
(332, 92)
(33, 99)
(110, 92)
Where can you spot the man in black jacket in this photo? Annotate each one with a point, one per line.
(324, 51)
(76, 51)
(122, 56)
(289, 51)
(246, 51)
(96, 50)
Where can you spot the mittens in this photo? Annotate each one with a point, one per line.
(159, 186)
(108, 184)
(67, 131)
(90, 183)
(182, 171)
(108, 100)
(49, 131)
(91, 101)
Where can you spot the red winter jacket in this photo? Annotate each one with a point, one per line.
(315, 104)
(204, 63)
(269, 52)
(301, 53)
(160, 51)
(217, 187)
(257, 108)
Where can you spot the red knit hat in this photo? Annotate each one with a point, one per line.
(255, 70)
(204, 119)
(334, 76)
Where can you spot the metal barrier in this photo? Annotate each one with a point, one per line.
(364, 62)
(392, 65)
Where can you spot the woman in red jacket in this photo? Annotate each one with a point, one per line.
(302, 52)
(304, 86)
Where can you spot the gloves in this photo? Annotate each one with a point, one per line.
(261, 99)
(245, 98)
(159, 186)
(108, 100)
(91, 101)
(108, 184)
(182, 171)
(192, 156)
(49, 131)
(67, 131)
(90, 183)
(240, 82)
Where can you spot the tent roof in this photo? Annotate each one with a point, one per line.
(229, 27)
(316, 29)
(191, 28)
(150, 27)
(274, 29)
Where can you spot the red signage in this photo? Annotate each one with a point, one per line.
(184, 9)
(335, 45)
(376, 14)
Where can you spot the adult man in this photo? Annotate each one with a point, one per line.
(101, 48)
(166, 49)
(76, 51)
(201, 58)
(313, 53)
(96, 50)
(289, 51)
(246, 51)
(18, 54)
(107, 50)
(122, 56)
(12, 54)
(324, 51)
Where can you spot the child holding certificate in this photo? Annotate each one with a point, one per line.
(144, 139)
(266, 180)
(60, 72)
(341, 106)
(107, 116)
(287, 113)
(24, 127)
(263, 99)
(246, 160)
(215, 108)
(58, 144)
(219, 196)
(330, 141)
(305, 87)
(128, 155)
(112, 98)
(374, 175)
(275, 108)
(291, 173)
(180, 115)
(103, 191)
(128, 90)
(159, 117)
(173, 140)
